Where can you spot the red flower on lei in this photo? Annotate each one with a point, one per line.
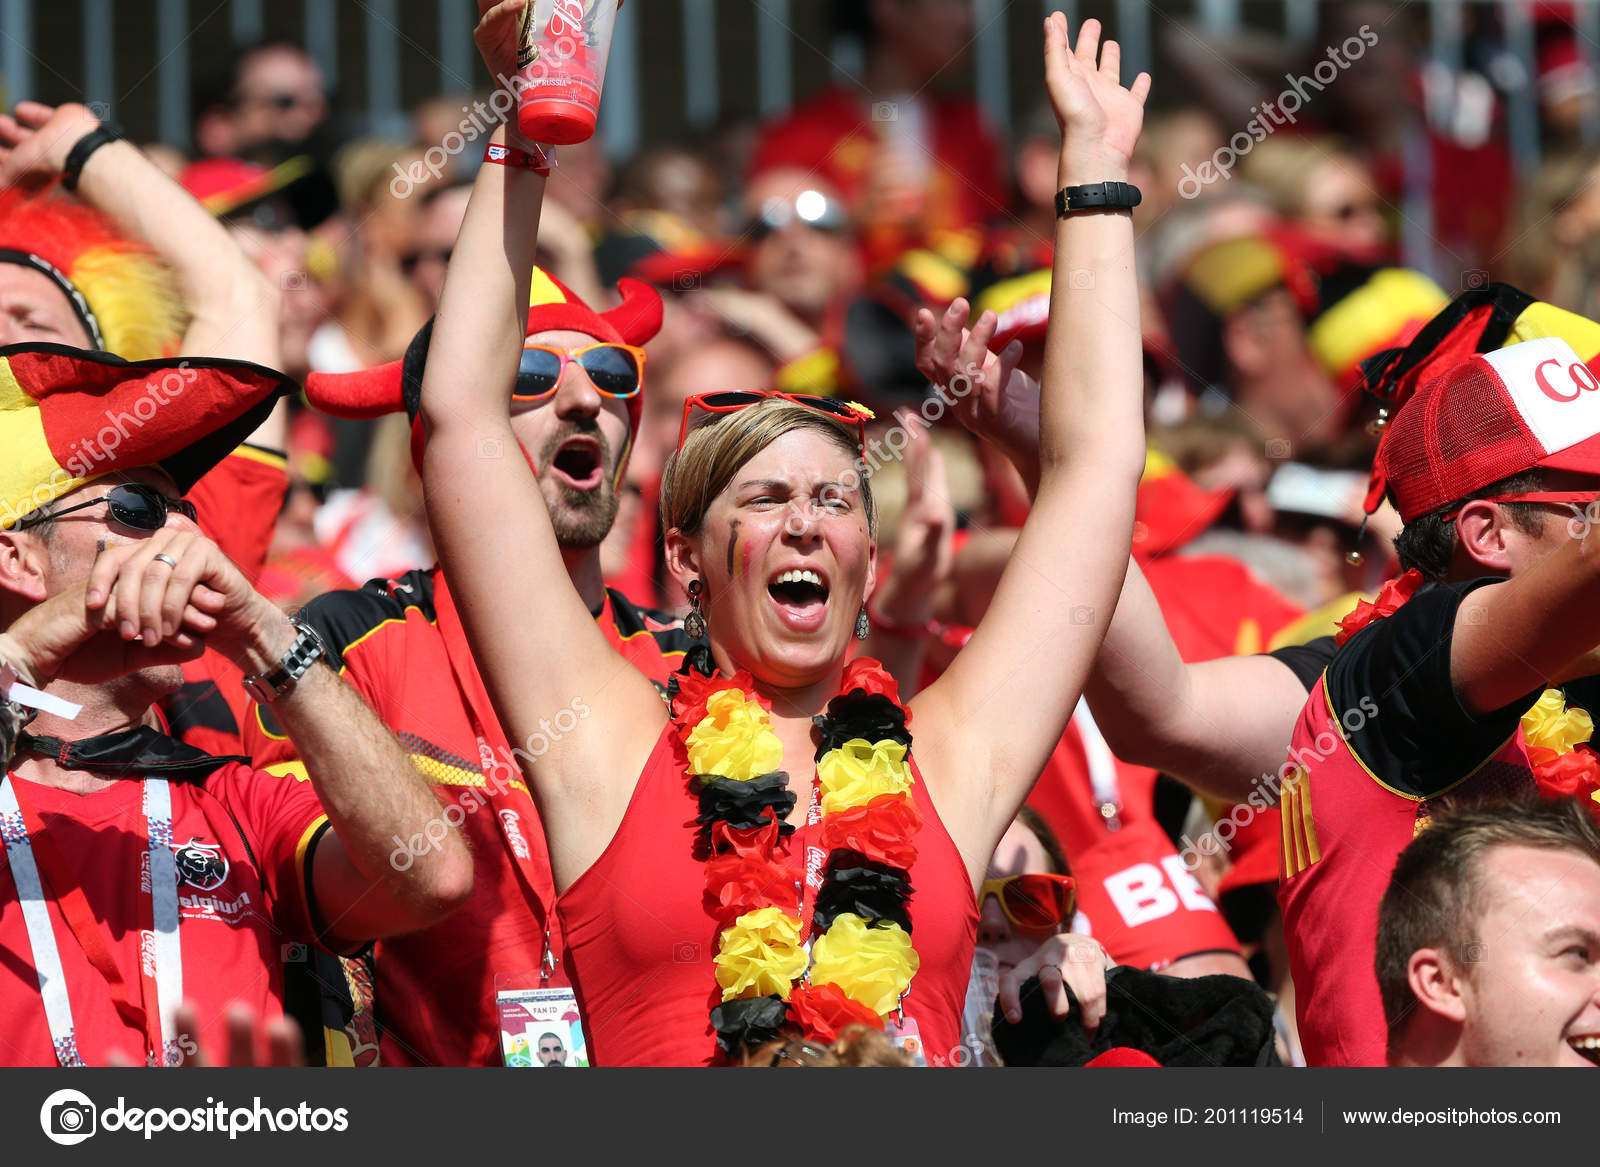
(822, 1011)
(1574, 774)
(1393, 594)
(866, 675)
(695, 689)
(884, 830)
(736, 884)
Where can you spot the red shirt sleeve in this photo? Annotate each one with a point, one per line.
(238, 503)
(280, 819)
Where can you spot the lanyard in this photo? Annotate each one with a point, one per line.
(28, 849)
(815, 859)
(512, 803)
(1102, 766)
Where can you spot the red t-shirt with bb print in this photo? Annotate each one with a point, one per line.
(244, 841)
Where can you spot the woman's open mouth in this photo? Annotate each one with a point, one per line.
(801, 598)
(577, 463)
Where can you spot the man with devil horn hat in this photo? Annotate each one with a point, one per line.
(400, 642)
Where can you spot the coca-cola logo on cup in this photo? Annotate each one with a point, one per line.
(566, 20)
(1579, 374)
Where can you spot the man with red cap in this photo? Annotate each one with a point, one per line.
(400, 642)
(1222, 725)
(1493, 466)
(141, 872)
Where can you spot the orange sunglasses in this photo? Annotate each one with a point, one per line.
(1033, 902)
(615, 369)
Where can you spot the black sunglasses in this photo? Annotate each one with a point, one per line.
(810, 207)
(143, 508)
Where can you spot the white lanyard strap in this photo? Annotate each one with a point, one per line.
(161, 955)
(41, 937)
(168, 952)
(1102, 765)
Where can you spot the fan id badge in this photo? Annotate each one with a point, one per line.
(906, 1038)
(540, 1028)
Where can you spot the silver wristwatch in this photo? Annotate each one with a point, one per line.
(306, 650)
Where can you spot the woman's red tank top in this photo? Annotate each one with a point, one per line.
(640, 943)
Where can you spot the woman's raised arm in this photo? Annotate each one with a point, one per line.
(536, 644)
(999, 710)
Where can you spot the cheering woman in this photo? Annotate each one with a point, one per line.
(787, 849)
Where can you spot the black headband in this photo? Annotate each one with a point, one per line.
(80, 305)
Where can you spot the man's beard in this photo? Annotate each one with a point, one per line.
(581, 519)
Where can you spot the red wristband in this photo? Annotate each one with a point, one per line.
(538, 161)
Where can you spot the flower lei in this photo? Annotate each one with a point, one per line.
(1564, 766)
(861, 960)
(1393, 594)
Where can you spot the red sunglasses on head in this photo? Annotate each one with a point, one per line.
(1033, 902)
(733, 400)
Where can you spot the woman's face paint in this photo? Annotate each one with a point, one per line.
(733, 544)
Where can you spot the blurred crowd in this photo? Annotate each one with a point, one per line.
(1306, 213)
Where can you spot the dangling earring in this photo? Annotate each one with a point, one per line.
(863, 624)
(695, 622)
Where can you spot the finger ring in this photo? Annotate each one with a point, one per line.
(163, 557)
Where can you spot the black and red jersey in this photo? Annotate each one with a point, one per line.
(400, 643)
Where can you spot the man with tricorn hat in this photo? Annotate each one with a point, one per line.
(142, 872)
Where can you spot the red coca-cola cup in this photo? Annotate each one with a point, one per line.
(561, 63)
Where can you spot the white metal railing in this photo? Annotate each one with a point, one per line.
(445, 38)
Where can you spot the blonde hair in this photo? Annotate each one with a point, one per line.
(715, 450)
(1284, 167)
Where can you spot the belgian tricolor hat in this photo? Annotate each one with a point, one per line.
(69, 416)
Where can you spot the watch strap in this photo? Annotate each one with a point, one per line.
(307, 649)
(1097, 196)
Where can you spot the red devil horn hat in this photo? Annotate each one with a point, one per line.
(553, 307)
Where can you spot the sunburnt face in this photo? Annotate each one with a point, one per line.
(77, 539)
(33, 310)
(787, 560)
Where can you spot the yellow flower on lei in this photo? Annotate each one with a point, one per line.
(1550, 725)
(859, 771)
(734, 739)
(870, 965)
(760, 955)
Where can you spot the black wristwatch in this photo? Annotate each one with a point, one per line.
(1097, 196)
(85, 146)
(306, 650)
